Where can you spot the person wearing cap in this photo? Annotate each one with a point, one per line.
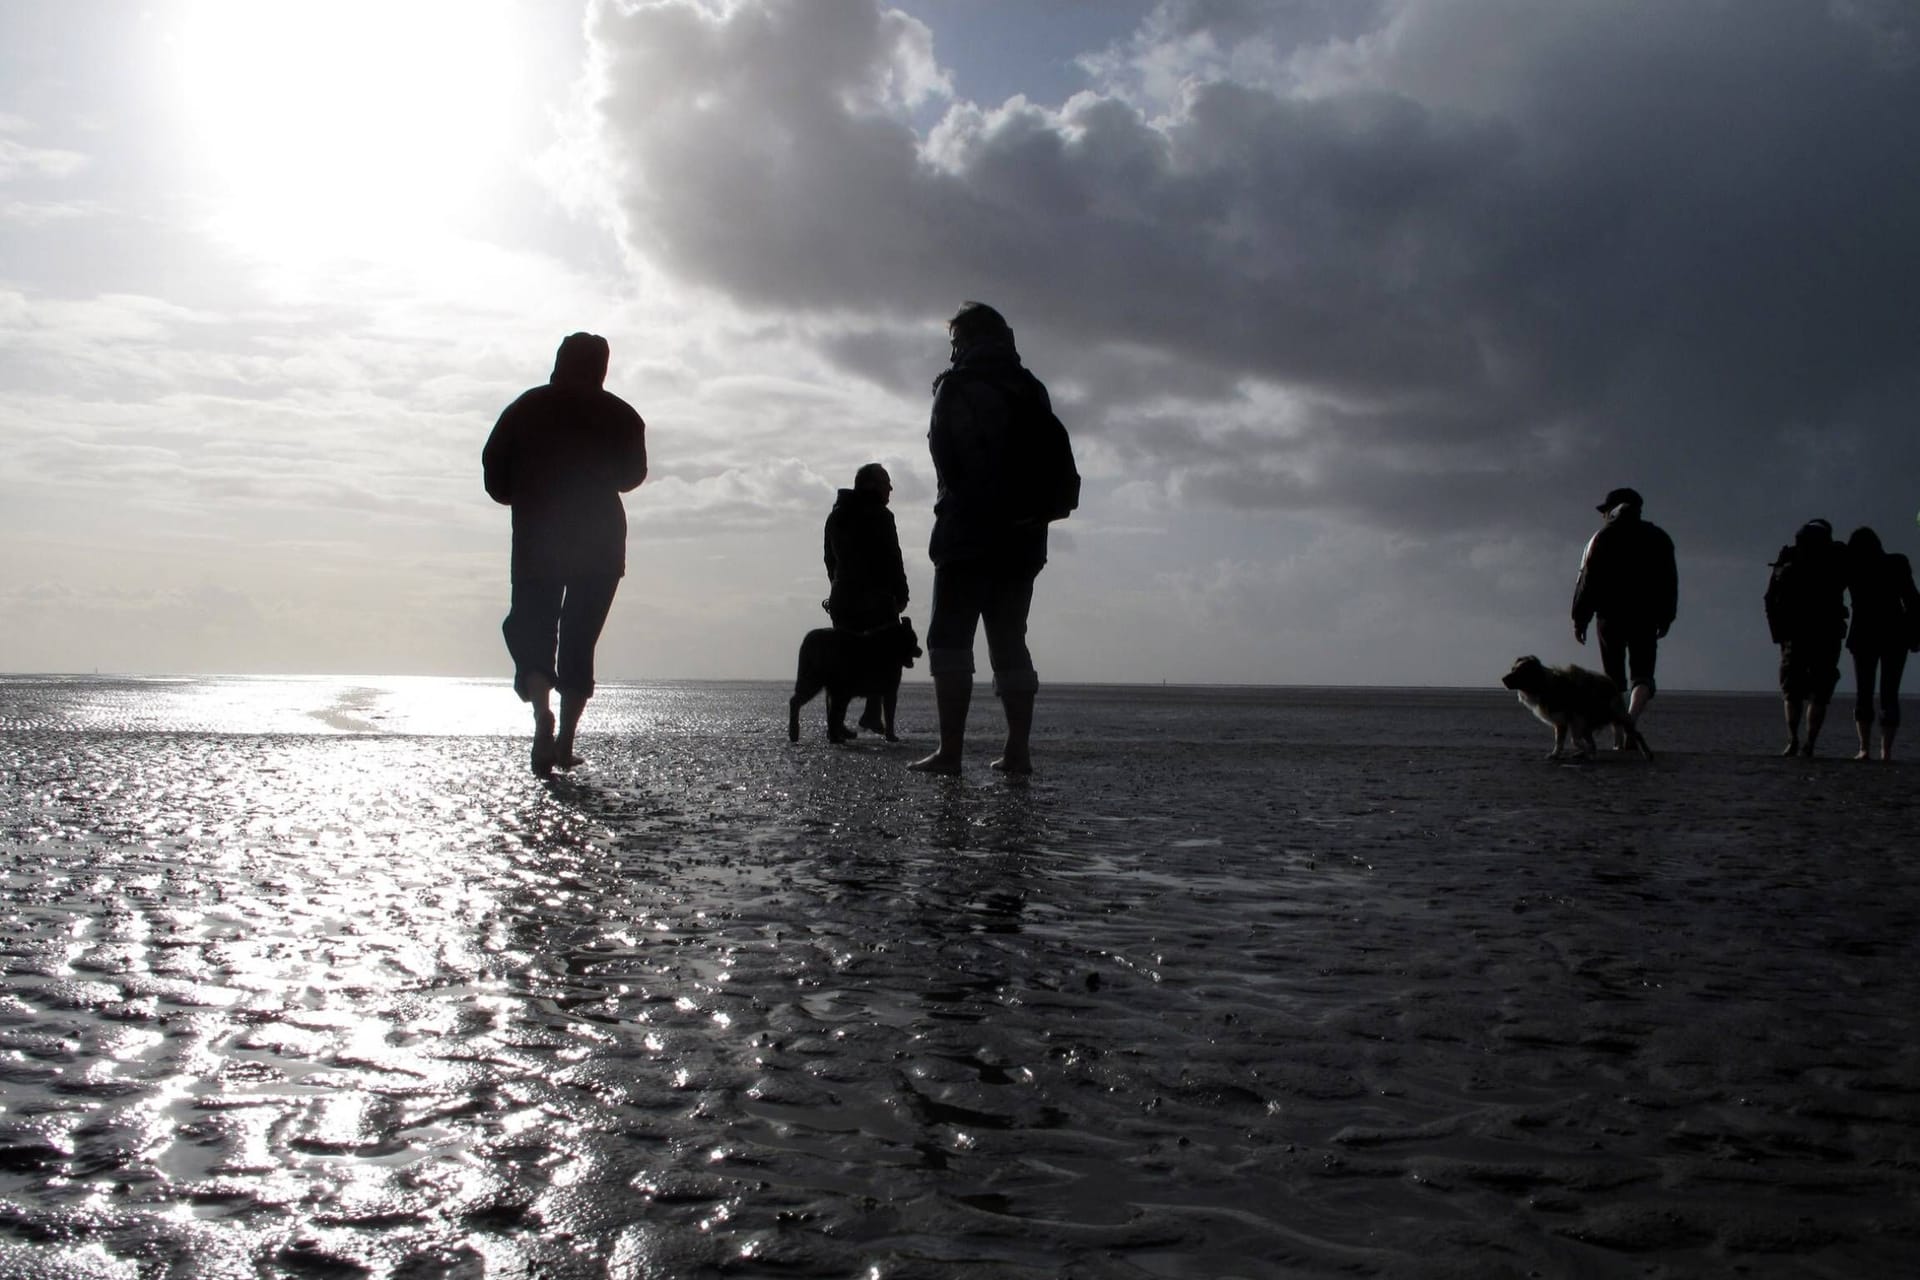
(561, 455)
(1807, 617)
(1630, 587)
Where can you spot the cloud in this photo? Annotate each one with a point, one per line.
(1460, 242)
(18, 160)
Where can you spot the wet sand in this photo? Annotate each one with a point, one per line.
(313, 979)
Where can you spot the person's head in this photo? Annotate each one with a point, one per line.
(1620, 504)
(873, 478)
(582, 360)
(1864, 542)
(976, 322)
(1814, 533)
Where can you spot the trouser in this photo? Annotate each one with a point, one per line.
(1889, 665)
(992, 592)
(1627, 653)
(551, 629)
(1809, 669)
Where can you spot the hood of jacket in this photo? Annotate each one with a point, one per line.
(857, 500)
(581, 361)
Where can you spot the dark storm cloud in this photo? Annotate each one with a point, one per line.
(1492, 254)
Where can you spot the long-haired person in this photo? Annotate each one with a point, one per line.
(1886, 627)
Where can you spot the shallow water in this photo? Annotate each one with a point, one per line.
(311, 978)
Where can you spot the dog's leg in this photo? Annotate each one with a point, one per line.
(1559, 743)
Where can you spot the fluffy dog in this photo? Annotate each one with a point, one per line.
(848, 666)
(1575, 701)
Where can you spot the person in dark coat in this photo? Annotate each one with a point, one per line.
(1629, 583)
(985, 561)
(1886, 627)
(864, 566)
(868, 577)
(561, 455)
(1807, 617)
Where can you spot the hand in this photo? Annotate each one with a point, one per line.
(1660, 632)
(1579, 634)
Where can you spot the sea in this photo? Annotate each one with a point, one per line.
(313, 978)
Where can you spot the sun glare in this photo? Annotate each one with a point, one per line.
(347, 127)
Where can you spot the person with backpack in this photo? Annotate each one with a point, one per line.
(1807, 617)
(1005, 469)
(1886, 627)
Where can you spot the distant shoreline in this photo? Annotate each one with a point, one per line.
(1187, 686)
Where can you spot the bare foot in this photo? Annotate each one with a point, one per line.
(1793, 748)
(937, 763)
(1013, 765)
(1861, 754)
(543, 755)
(1807, 751)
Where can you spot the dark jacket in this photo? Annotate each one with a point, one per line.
(1886, 607)
(1806, 592)
(863, 562)
(561, 455)
(972, 457)
(1627, 576)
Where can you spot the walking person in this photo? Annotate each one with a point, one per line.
(1628, 583)
(1807, 617)
(1005, 469)
(1886, 627)
(561, 455)
(867, 574)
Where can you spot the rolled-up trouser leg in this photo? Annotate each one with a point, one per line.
(955, 615)
(582, 615)
(531, 624)
(1005, 616)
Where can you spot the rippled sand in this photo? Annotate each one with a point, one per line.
(313, 979)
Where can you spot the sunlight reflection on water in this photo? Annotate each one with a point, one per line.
(304, 998)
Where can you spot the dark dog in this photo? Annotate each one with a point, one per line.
(1575, 701)
(848, 666)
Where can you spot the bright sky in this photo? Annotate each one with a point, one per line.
(1355, 309)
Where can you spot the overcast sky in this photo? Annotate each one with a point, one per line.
(1355, 309)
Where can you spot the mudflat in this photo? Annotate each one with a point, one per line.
(313, 978)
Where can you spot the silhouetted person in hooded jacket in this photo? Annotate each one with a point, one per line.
(867, 574)
(862, 547)
(1628, 582)
(561, 455)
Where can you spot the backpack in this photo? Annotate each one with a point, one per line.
(1043, 484)
(1802, 599)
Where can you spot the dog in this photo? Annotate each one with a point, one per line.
(1575, 701)
(849, 665)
